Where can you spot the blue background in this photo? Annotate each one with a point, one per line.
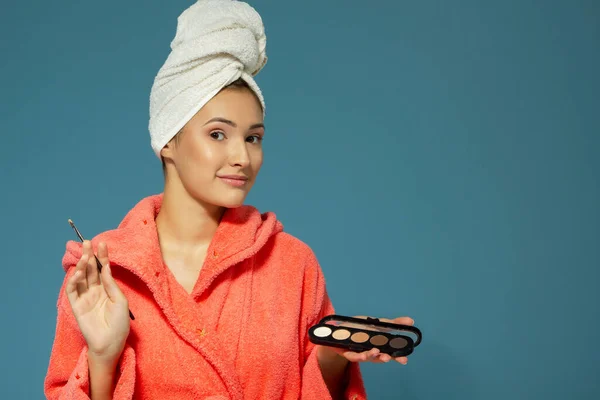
(441, 158)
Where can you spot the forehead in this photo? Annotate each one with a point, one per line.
(238, 104)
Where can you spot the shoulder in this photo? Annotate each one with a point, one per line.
(286, 248)
(74, 249)
(301, 272)
(294, 257)
(134, 231)
(293, 246)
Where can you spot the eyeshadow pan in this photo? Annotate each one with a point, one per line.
(398, 343)
(322, 331)
(360, 337)
(341, 334)
(379, 340)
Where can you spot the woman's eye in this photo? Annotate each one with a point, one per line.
(255, 139)
(217, 135)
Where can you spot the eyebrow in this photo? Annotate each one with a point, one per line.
(229, 122)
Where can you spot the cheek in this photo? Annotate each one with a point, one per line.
(257, 160)
(202, 154)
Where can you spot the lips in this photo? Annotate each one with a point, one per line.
(234, 177)
(234, 180)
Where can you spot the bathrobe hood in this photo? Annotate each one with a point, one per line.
(134, 244)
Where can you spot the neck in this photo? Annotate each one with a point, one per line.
(183, 222)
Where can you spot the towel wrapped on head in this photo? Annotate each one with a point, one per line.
(216, 43)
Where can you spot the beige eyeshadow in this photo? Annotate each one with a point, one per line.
(379, 340)
(398, 343)
(341, 334)
(360, 337)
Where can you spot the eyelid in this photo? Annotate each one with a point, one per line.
(217, 131)
(259, 135)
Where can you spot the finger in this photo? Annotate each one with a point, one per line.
(364, 356)
(403, 321)
(379, 360)
(354, 357)
(71, 287)
(385, 358)
(110, 286)
(81, 282)
(373, 354)
(86, 247)
(402, 360)
(94, 277)
(91, 265)
(399, 320)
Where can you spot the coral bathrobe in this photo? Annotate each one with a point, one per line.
(240, 334)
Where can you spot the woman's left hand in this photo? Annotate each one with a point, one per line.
(374, 354)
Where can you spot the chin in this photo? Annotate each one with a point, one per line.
(232, 204)
(233, 201)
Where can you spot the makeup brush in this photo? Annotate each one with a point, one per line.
(98, 264)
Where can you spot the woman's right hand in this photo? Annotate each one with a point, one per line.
(99, 306)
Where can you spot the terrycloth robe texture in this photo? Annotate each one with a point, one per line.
(240, 334)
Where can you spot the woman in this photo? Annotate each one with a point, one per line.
(222, 297)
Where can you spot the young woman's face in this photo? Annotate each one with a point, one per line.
(219, 152)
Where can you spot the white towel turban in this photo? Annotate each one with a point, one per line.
(216, 43)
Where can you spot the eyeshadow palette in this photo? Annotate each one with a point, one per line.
(357, 334)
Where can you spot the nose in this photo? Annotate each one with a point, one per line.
(238, 153)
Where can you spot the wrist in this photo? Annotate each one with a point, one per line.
(106, 364)
(103, 374)
(333, 369)
(329, 357)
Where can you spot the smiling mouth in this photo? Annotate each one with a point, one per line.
(236, 181)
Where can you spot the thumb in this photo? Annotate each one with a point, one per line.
(110, 286)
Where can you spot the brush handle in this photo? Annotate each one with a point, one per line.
(99, 265)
